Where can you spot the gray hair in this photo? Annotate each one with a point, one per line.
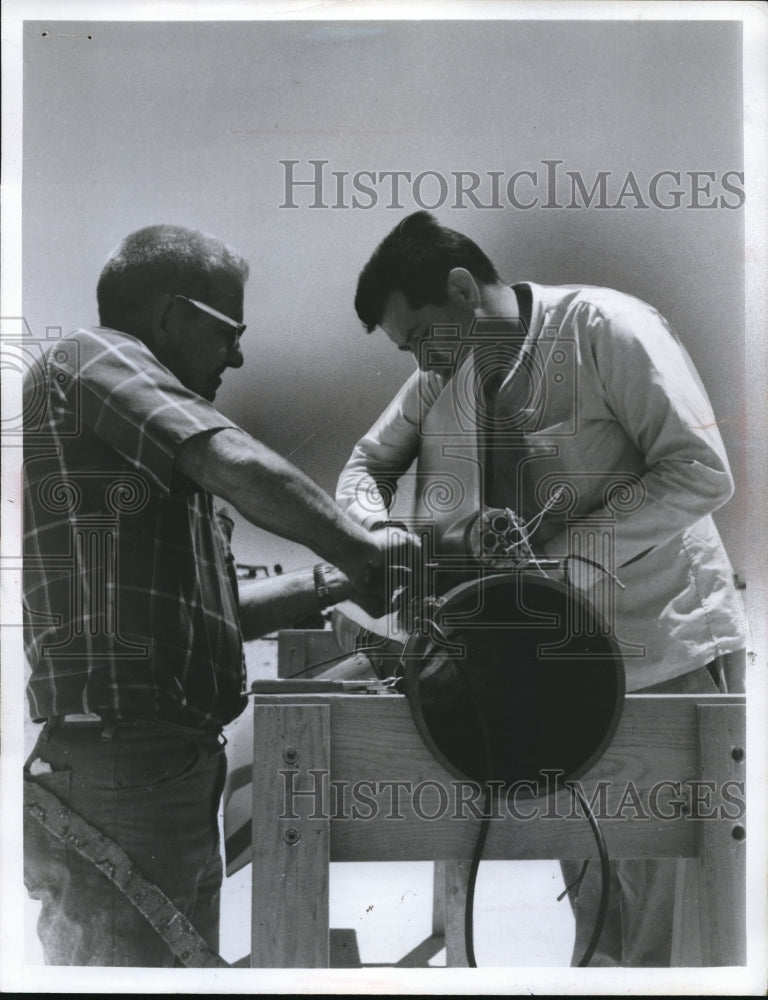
(157, 260)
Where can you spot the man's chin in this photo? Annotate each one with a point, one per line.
(209, 392)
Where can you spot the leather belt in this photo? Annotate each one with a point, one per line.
(110, 726)
(74, 719)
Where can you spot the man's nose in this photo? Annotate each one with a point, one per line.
(235, 357)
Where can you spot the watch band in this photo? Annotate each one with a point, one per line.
(321, 584)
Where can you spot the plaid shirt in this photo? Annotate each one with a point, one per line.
(130, 592)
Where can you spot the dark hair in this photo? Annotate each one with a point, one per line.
(157, 260)
(415, 259)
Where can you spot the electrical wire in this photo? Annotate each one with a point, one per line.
(605, 874)
(482, 834)
(370, 648)
(597, 565)
(469, 905)
(577, 793)
(322, 663)
(576, 882)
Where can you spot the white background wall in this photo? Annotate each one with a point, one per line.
(126, 124)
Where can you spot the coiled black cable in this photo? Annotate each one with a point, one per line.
(482, 835)
(469, 907)
(605, 876)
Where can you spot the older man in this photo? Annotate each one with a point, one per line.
(132, 616)
(578, 411)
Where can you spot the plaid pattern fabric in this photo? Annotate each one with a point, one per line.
(130, 591)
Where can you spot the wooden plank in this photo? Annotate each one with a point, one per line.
(375, 745)
(686, 928)
(375, 740)
(540, 839)
(722, 859)
(290, 837)
(455, 875)
(438, 899)
(449, 898)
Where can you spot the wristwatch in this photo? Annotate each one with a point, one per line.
(322, 589)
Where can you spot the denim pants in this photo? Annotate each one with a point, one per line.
(638, 926)
(155, 794)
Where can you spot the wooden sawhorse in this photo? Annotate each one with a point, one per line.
(330, 772)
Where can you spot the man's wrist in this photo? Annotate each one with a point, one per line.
(352, 550)
(331, 585)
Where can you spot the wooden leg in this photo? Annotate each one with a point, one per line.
(722, 854)
(448, 904)
(686, 932)
(291, 836)
(438, 899)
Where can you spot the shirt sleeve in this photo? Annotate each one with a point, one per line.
(367, 484)
(654, 392)
(114, 386)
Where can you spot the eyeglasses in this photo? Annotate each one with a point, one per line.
(239, 328)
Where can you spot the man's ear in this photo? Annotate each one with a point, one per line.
(462, 289)
(163, 311)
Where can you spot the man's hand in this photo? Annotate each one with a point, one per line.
(392, 560)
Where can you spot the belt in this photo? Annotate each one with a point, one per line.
(89, 719)
(109, 726)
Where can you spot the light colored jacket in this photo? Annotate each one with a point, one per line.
(618, 437)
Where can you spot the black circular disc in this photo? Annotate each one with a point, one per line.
(520, 678)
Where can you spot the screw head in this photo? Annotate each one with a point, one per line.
(292, 836)
(290, 755)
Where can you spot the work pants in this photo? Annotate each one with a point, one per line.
(156, 795)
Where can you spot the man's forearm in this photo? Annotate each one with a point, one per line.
(359, 495)
(384, 454)
(273, 494)
(278, 601)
